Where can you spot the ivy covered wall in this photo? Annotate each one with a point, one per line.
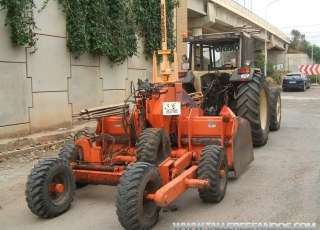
(58, 57)
(103, 27)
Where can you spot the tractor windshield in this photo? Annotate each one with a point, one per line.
(220, 50)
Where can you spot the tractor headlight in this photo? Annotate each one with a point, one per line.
(247, 63)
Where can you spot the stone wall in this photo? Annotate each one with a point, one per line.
(288, 62)
(41, 91)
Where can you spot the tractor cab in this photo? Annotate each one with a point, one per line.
(216, 56)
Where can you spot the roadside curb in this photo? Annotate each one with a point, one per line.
(30, 149)
(43, 140)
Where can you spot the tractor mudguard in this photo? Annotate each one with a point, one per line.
(188, 78)
(242, 147)
(236, 77)
(188, 82)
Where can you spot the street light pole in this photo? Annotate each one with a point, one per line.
(313, 62)
(265, 40)
(312, 54)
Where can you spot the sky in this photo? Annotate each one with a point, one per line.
(286, 15)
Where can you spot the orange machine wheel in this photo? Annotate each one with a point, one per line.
(70, 152)
(134, 210)
(153, 146)
(213, 166)
(50, 187)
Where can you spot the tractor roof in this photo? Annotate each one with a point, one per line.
(223, 38)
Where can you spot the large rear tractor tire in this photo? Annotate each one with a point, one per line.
(275, 109)
(134, 211)
(71, 153)
(253, 105)
(213, 166)
(153, 146)
(50, 187)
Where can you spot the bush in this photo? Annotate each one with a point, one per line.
(270, 81)
(277, 80)
(274, 80)
(313, 79)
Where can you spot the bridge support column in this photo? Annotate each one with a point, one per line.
(196, 31)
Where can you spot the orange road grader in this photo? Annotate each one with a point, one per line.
(153, 150)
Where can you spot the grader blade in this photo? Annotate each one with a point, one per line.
(242, 147)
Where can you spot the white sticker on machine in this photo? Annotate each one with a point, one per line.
(171, 108)
(211, 124)
(245, 75)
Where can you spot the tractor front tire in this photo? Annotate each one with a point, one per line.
(213, 166)
(133, 209)
(50, 187)
(71, 153)
(153, 146)
(275, 109)
(253, 105)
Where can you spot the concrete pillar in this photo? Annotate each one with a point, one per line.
(181, 27)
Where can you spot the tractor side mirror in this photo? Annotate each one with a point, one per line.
(184, 58)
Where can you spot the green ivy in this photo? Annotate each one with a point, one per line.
(171, 5)
(103, 27)
(19, 16)
(121, 36)
(147, 15)
(76, 18)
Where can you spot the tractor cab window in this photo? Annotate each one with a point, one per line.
(208, 57)
(226, 55)
(202, 57)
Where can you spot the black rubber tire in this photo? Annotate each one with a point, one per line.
(275, 109)
(72, 153)
(40, 200)
(133, 210)
(213, 159)
(309, 86)
(253, 105)
(153, 146)
(304, 88)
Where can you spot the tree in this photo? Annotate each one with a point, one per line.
(259, 62)
(296, 40)
(300, 44)
(316, 52)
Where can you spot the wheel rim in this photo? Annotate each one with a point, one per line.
(58, 189)
(263, 109)
(278, 109)
(222, 175)
(149, 207)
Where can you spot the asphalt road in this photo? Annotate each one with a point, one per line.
(282, 185)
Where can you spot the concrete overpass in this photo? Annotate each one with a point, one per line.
(209, 16)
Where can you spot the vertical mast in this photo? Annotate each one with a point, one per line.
(163, 25)
(165, 70)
